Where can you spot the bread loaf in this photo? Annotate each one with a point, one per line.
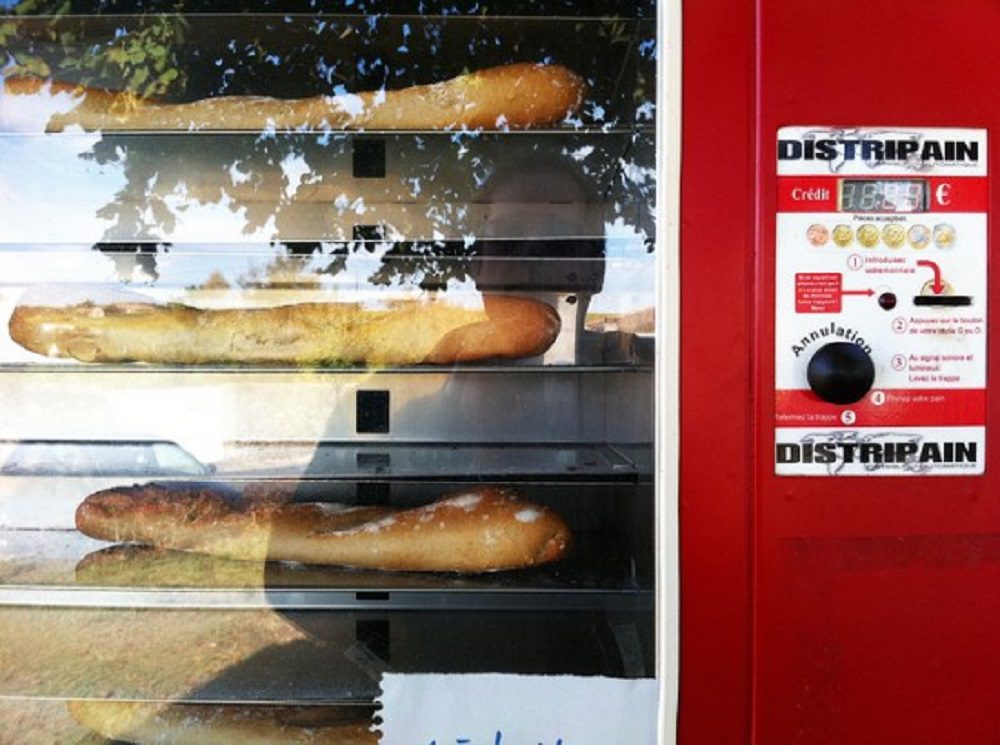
(517, 96)
(139, 566)
(210, 724)
(481, 530)
(406, 333)
(132, 565)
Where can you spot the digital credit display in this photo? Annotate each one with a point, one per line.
(886, 195)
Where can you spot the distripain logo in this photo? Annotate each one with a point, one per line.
(870, 149)
(875, 452)
(878, 147)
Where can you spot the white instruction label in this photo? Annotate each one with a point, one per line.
(881, 301)
(499, 709)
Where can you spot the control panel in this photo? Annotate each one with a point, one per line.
(880, 301)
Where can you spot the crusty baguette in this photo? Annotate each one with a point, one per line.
(406, 333)
(481, 530)
(517, 96)
(132, 565)
(135, 565)
(210, 724)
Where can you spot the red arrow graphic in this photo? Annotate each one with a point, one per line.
(869, 292)
(938, 286)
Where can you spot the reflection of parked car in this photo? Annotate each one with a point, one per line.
(42, 481)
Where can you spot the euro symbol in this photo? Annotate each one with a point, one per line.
(943, 194)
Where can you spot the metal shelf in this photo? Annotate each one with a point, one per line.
(60, 568)
(313, 656)
(140, 368)
(636, 601)
(455, 134)
(437, 462)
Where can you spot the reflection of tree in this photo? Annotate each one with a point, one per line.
(154, 51)
(433, 263)
(246, 173)
(167, 175)
(305, 212)
(427, 265)
(299, 48)
(145, 58)
(128, 257)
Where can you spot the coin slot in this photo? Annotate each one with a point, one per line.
(946, 301)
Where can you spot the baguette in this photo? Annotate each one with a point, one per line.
(210, 724)
(482, 530)
(407, 333)
(131, 565)
(513, 96)
(134, 565)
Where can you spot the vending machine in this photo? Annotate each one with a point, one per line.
(338, 371)
(547, 372)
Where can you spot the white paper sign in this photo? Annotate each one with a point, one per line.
(494, 709)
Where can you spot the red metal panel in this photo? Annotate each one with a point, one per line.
(877, 600)
(717, 229)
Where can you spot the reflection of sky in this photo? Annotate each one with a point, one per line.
(75, 273)
(51, 195)
(630, 274)
(49, 191)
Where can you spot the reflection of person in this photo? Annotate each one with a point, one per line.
(545, 213)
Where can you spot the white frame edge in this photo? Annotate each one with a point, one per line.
(667, 377)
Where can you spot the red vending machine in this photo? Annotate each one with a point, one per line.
(690, 299)
(839, 513)
(338, 371)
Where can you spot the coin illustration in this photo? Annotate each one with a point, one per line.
(919, 236)
(818, 235)
(944, 288)
(868, 235)
(944, 235)
(893, 235)
(843, 236)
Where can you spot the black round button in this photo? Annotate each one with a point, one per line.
(841, 372)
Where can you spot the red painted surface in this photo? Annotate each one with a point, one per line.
(961, 407)
(717, 236)
(821, 611)
(876, 616)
